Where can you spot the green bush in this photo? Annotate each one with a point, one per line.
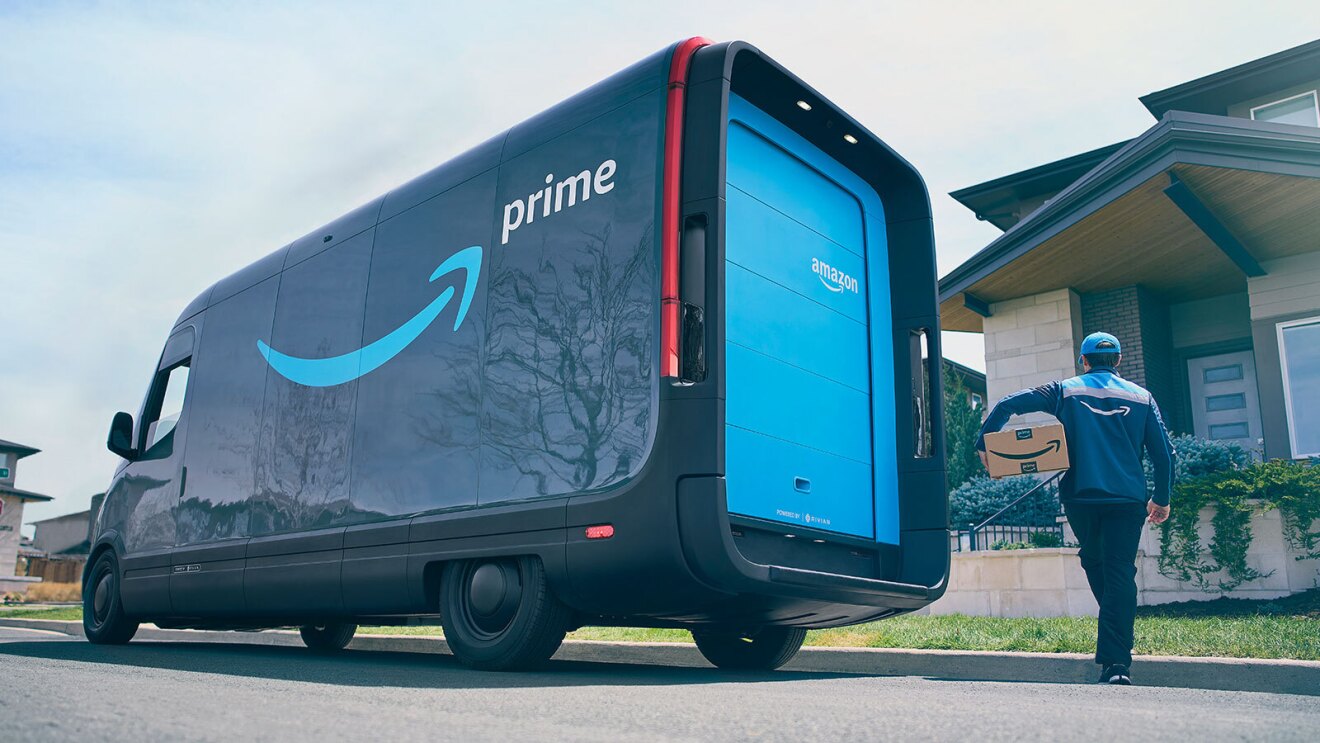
(1045, 539)
(980, 497)
(962, 424)
(1236, 495)
(1194, 458)
(1035, 540)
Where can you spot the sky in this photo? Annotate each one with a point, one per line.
(148, 149)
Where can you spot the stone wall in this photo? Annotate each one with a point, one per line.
(1050, 582)
(1030, 341)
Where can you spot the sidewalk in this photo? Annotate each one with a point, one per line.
(1228, 674)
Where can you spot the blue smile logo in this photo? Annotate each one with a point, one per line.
(340, 369)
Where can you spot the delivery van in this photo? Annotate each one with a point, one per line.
(665, 355)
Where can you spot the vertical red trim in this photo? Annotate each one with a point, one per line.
(669, 206)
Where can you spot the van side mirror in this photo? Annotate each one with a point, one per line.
(120, 440)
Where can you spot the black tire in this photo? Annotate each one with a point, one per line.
(328, 638)
(500, 614)
(104, 621)
(764, 649)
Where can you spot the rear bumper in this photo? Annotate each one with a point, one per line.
(712, 556)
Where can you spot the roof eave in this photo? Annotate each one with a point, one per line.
(1198, 139)
(1161, 102)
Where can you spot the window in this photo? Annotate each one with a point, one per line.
(977, 401)
(1229, 373)
(1299, 356)
(170, 406)
(1220, 431)
(1299, 109)
(1235, 401)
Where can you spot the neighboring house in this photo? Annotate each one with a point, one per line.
(11, 513)
(1197, 243)
(972, 380)
(63, 535)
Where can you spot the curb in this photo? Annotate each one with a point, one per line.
(1223, 674)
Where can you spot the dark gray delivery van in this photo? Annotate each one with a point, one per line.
(665, 355)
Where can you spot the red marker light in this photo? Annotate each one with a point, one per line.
(600, 531)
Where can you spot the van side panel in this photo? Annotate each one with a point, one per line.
(571, 376)
(224, 406)
(307, 430)
(416, 441)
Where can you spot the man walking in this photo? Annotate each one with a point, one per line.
(1107, 421)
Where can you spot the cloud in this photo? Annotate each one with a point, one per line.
(147, 150)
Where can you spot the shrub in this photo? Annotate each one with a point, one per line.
(980, 497)
(1040, 539)
(1237, 494)
(962, 424)
(1035, 540)
(1195, 458)
(54, 592)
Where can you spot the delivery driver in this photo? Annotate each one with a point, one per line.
(1107, 420)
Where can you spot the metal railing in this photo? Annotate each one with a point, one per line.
(1031, 520)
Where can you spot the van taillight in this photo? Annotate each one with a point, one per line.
(600, 531)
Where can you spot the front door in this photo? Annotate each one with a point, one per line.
(142, 502)
(1225, 405)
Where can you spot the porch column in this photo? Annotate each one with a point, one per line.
(1030, 341)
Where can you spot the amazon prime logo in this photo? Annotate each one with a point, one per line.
(833, 279)
(328, 372)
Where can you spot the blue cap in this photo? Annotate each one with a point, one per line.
(1100, 343)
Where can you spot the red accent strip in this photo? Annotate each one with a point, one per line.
(678, 72)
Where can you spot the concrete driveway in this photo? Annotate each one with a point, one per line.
(58, 687)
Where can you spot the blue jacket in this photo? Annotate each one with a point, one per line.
(1107, 420)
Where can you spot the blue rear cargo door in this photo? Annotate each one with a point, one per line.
(806, 282)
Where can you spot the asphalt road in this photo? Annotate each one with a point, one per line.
(53, 687)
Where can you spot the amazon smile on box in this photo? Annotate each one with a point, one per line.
(1026, 450)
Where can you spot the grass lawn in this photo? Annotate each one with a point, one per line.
(1285, 628)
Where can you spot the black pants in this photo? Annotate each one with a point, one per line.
(1108, 534)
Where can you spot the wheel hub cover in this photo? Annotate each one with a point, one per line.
(101, 597)
(489, 589)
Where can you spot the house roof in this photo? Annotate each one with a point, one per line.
(964, 370)
(84, 515)
(24, 494)
(994, 201)
(1142, 230)
(21, 449)
(972, 379)
(1214, 93)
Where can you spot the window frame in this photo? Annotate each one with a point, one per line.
(179, 350)
(1287, 387)
(156, 400)
(1315, 104)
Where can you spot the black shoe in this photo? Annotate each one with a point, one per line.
(1116, 675)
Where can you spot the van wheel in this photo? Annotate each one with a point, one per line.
(328, 637)
(764, 649)
(104, 622)
(500, 614)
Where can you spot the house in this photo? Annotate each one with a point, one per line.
(63, 535)
(11, 514)
(1197, 243)
(970, 379)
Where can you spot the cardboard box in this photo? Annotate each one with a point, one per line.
(1026, 450)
